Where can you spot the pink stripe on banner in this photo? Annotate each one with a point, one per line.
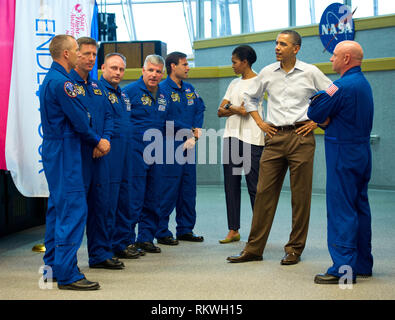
(7, 27)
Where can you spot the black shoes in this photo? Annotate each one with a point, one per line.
(148, 247)
(325, 278)
(364, 275)
(81, 285)
(128, 253)
(169, 240)
(290, 258)
(244, 256)
(113, 264)
(132, 247)
(190, 236)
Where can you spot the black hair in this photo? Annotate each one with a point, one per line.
(297, 39)
(245, 52)
(173, 57)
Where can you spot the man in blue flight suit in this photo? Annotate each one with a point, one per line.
(148, 115)
(346, 109)
(119, 222)
(65, 124)
(185, 113)
(95, 165)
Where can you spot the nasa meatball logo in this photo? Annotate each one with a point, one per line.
(336, 25)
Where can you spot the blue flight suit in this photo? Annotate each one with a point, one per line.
(119, 222)
(185, 111)
(349, 105)
(96, 170)
(65, 123)
(148, 116)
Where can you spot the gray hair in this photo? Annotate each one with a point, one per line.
(154, 59)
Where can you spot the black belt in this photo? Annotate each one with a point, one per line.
(290, 126)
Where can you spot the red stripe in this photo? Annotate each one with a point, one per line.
(332, 90)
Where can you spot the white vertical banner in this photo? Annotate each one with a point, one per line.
(36, 23)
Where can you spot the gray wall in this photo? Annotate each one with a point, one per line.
(376, 44)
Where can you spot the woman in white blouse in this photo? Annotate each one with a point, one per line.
(243, 139)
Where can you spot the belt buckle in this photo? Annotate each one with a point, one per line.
(288, 127)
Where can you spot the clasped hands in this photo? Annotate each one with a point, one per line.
(102, 148)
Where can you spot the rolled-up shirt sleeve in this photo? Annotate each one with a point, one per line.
(253, 96)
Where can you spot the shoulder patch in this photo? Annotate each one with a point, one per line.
(69, 89)
(331, 90)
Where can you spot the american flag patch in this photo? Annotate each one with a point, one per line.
(331, 90)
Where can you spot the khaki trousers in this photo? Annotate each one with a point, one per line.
(284, 150)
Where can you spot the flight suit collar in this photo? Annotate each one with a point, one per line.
(60, 68)
(352, 70)
(298, 65)
(109, 86)
(143, 87)
(75, 75)
(174, 85)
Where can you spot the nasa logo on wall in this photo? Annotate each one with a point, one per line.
(336, 25)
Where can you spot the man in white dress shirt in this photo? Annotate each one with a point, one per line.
(289, 143)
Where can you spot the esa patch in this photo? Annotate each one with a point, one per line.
(69, 89)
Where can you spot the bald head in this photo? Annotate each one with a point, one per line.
(347, 54)
(352, 48)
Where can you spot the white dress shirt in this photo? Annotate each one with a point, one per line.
(288, 93)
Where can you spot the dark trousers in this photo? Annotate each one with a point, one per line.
(239, 155)
(284, 150)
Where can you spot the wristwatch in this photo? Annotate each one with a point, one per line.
(227, 106)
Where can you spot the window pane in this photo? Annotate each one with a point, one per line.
(270, 16)
(386, 6)
(320, 6)
(303, 16)
(365, 8)
(164, 22)
(234, 13)
(122, 30)
(304, 11)
(207, 19)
